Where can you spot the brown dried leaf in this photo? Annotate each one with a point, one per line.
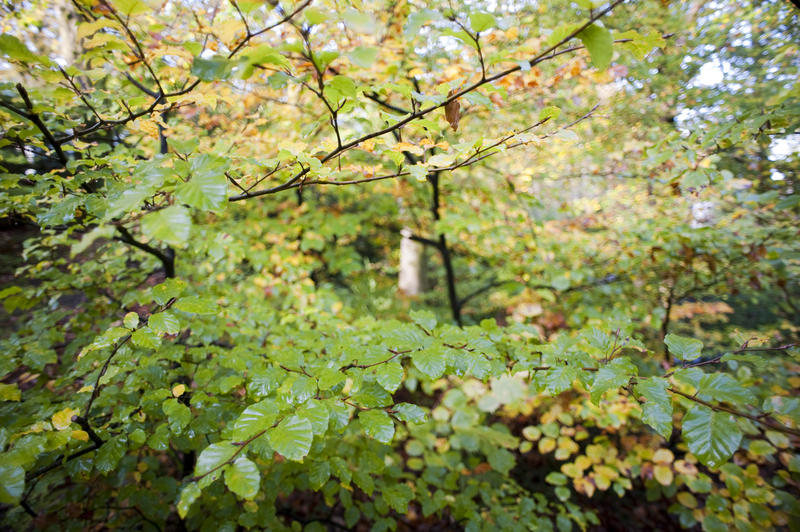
(452, 112)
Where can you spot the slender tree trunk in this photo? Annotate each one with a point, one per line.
(67, 27)
(412, 265)
(444, 251)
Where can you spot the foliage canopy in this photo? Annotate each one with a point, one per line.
(203, 331)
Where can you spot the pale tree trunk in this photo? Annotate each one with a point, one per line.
(412, 265)
(67, 30)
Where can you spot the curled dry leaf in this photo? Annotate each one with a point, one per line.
(452, 111)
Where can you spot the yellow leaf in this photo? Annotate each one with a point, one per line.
(567, 445)
(584, 485)
(10, 392)
(606, 472)
(663, 456)
(687, 499)
(583, 462)
(546, 445)
(595, 452)
(407, 146)
(663, 475)
(63, 419)
(602, 482)
(87, 388)
(88, 28)
(178, 390)
(561, 454)
(571, 470)
(685, 468)
(80, 435)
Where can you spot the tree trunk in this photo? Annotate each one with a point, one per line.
(412, 265)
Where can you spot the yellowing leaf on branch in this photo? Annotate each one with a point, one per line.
(63, 419)
(407, 146)
(80, 435)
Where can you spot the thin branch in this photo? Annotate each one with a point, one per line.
(395, 354)
(241, 16)
(743, 349)
(542, 56)
(119, 344)
(472, 159)
(137, 45)
(760, 419)
(167, 260)
(37, 120)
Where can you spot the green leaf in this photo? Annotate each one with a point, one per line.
(640, 45)
(13, 48)
(126, 8)
(390, 375)
(712, 523)
(424, 318)
(417, 19)
(372, 395)
(560, 379)
(217, 67)
(131, 320)
(682, 347)
(600, 43)
(292, 437)
(556, 479)
(657, 408)
(318, 474)
(551, 113)
(10, 392)
(109, 455)
(328, 378)
(189, 494)
(397, 497)
(418, 172)
(785, 406)
(171, 225)
(501, 460)
(164, 323)
(12, 483)
(179, 414)
(208, 187)
(712, 436)
(560, 33)
(165, 291)
(613, 375)
(263, 381)
(256, 417)
(317, 414)
(315, 15)
(481, 21)
(431, 361)
(196, 305)
(213, 457)
(722, 387)
(362, 22)
(242, 478)
(342, 87)
(377, 424)
(364, 56)
(146, 337)
(265, 54)
(303, 388)
(409, 413)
